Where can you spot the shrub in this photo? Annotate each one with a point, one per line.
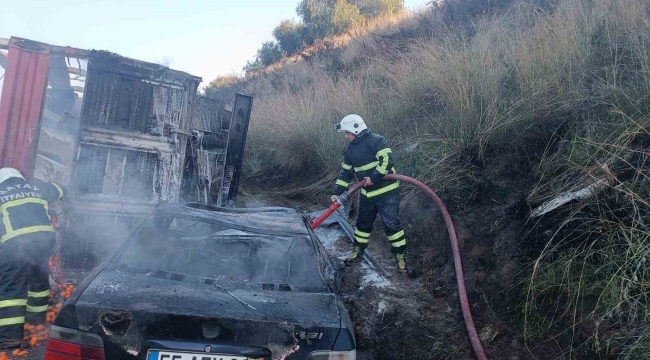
(289, 35)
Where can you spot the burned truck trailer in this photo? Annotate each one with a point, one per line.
(134, 127)
(123, 134)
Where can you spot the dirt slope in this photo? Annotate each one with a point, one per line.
(398, 317)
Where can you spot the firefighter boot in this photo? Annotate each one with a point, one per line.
(356, 256)
(401, 261)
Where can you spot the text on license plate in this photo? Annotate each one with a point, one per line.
(171, 355)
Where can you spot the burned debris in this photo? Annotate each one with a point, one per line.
(123, 134)
(132, 139)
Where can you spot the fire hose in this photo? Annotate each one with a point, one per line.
(460, 278)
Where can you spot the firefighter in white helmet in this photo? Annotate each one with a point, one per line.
(369, 158)
(26, 241)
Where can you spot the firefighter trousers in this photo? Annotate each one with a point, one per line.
(387, 206)
(24, 282)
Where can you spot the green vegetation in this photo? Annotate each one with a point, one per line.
(591, 286)
(319, 19)
(289, 35)
(268, 54)
(564, 85)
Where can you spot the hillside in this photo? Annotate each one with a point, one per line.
(499, 107)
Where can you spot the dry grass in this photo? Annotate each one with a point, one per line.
(591, 284)
(523, 69)
(573, 77)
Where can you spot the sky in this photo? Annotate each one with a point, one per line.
(204, 38)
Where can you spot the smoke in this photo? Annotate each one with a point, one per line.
(115, 181)
(89, 239)
(165, 61)
(60, 123)
(90, 235)
(288, 262)
(201, 249)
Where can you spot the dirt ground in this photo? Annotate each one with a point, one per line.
(36, 353)
(405, 318)
(419, 317)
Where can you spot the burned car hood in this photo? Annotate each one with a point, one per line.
(141, 293)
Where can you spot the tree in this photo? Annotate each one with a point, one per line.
(320, 18)
(269, 53)
(317, 17)
(323, 18)
(224, 80)
(375, 8)
(345, 17)
(289, 35)
(252, 66)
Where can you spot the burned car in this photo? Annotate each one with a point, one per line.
(195, 282)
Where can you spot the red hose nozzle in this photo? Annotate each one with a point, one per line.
(335, 205)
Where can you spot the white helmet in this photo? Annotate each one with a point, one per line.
(351, 123)
(7, 172)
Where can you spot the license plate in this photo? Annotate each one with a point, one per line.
(174, 355)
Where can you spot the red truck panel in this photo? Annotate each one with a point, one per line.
(21, 104)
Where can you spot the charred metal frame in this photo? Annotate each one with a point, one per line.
(241, 114)
(206, 151)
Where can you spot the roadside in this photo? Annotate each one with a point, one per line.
(416, 318)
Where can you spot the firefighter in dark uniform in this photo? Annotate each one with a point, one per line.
(26, 241)
(369, 158)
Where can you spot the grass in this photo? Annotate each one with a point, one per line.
(563, 84)
(458, 91)
(592, 285)
(595, 293)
